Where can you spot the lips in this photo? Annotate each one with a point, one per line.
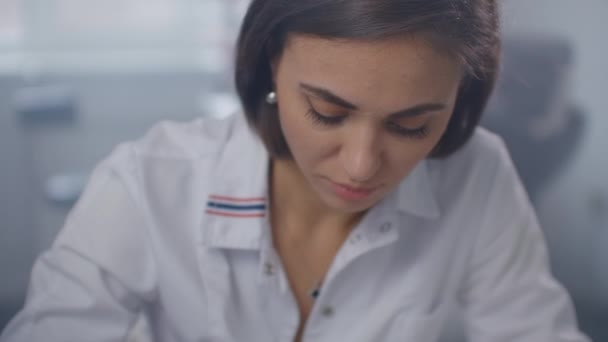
(354, 188)
(349, 192)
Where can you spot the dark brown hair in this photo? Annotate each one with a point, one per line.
(466, 29)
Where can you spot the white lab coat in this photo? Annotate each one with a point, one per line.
(175, 226)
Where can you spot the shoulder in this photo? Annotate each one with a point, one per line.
(172, 142)
(185, 140)
(175, 162)
(484, 152)
(143, 185)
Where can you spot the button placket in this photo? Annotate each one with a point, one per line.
(328, 312)
(271, 271)
(379, 233)
(269, 268)
(356, 239)
(282, 311)
(386, 227)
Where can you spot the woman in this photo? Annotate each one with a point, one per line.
(355, 202)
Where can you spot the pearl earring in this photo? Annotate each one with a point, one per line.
(271, 98)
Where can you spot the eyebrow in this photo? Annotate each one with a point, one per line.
(328, 96)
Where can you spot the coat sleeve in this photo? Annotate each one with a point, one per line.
(509, 294)
(92, 283)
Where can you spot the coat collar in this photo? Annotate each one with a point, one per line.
(236, 212)
(416, 195)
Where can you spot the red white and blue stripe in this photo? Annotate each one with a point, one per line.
(238, 207)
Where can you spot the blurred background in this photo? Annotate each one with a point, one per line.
(79, 76)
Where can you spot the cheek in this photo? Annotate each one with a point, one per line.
(291, 120)
(298, 140)
(437, 129)
(400, 162)
(306, 145)
(403, 156)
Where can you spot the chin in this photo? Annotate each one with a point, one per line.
(348, 207)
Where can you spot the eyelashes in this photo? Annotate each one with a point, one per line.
(324, 120)
(332, 121)
(418, 133)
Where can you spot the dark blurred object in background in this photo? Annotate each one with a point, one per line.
(532, 109)
(46, 104)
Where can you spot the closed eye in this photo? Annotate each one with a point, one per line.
(323, 119)
(417, 133)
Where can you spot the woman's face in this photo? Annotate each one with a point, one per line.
(358, 115)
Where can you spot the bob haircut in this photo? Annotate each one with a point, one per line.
(465, 29)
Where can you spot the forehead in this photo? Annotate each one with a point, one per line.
(389, 71)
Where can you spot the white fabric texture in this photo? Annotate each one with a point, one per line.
(174, 226)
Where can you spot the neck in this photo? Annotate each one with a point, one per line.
(298, 208)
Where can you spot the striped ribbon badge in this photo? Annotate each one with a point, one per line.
(238, 207)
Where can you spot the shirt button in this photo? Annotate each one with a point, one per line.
(328, 311)
(355, 239)
(386, 227)
(269, 269)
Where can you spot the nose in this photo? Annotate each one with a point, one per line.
(360, 154)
